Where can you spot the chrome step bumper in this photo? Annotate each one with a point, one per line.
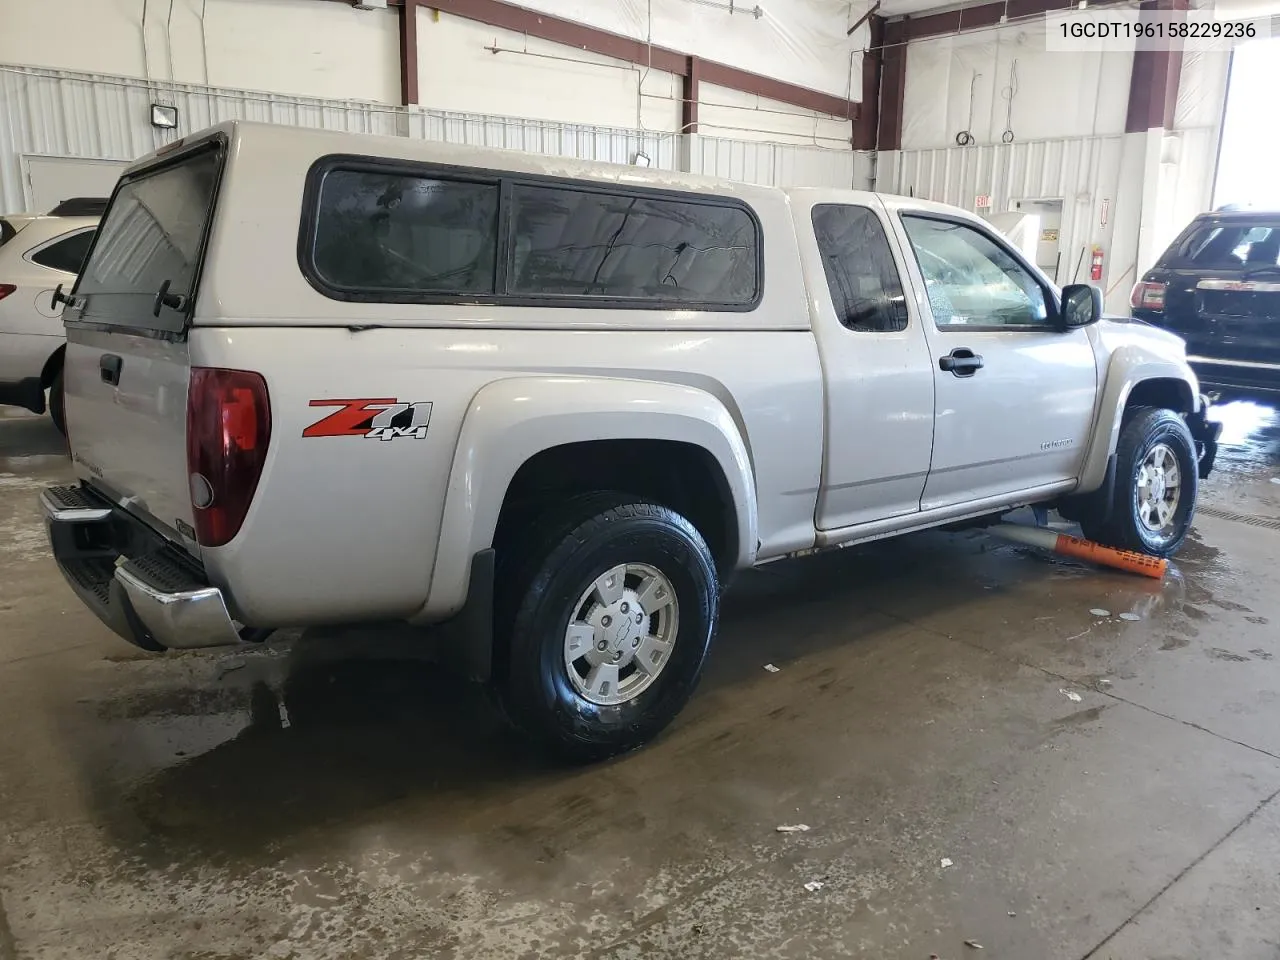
(140, 586)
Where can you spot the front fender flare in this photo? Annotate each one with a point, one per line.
(509, 421)
(1129, 366)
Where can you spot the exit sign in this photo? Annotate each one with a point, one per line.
(982, 202)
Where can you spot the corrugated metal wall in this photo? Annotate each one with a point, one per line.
(64, 114)
(1081, 172)
(1004, 171)
(1102, 182)
(778, 164)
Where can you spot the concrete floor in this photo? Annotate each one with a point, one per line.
(338, 799)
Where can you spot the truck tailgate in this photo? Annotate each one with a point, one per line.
(127, 364)
(126, 408)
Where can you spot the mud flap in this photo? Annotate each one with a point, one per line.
(28, 394)
(1097, 503)
(1205, 432)
(466, 639)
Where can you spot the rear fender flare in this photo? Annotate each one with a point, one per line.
(509, 421)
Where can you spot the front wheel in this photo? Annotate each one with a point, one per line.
(613, 606)
(1157, 480)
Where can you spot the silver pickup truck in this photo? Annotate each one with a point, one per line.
(316, 378)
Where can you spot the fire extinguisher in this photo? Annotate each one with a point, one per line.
(1095, 265)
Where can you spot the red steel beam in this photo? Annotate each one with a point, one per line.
(409, 52)
(557, 30)
(866, 127)
(983, 15)
(771, 89)
(690, 95)
(507, 16)
(1153, 85)
(893, 84)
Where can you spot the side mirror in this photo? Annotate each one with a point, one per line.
(1081, 306)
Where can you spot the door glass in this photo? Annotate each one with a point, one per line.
(861, 275)
(972, 281)
(66, 254)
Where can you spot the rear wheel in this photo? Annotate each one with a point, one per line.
(610, 608)
(1157, 481)
(56, 409)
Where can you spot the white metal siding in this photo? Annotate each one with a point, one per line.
(1147, 200)
(58, 113)
(774, 164)
(1005, 172)
(1082, 172)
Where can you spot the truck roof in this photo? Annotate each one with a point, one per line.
(307, 143)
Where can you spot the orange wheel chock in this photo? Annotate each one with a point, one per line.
(1078, 549)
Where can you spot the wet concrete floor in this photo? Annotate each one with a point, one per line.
(979, 757)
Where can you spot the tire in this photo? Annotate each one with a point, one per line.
(1132, 521)
(558, 571)
(56, 403)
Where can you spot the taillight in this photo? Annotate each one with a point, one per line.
(228, 429)
(1147, 295)
(6, 289)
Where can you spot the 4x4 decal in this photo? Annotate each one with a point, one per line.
(378, 419)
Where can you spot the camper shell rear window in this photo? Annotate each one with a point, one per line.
(144, 264)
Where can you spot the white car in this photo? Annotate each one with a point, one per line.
(38, 252)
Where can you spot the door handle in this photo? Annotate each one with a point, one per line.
(109, 367)
(962, 362)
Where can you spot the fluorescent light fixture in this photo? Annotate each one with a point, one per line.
(164, 117)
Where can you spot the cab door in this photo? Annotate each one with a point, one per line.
(876, 364)
(1014, 394)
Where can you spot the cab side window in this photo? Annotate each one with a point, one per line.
(861, 275)
(971, 280)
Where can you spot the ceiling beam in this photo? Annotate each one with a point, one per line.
(871, 11)
(508, 16)
(923, 25)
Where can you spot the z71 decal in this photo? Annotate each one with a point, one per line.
(378, 419)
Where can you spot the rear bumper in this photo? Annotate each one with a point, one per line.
(143, 588)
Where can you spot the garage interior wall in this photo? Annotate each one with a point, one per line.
(1128, 193)
(85, 93)
(284, 46)
(333, 51)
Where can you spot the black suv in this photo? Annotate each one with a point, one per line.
(1218, 287)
